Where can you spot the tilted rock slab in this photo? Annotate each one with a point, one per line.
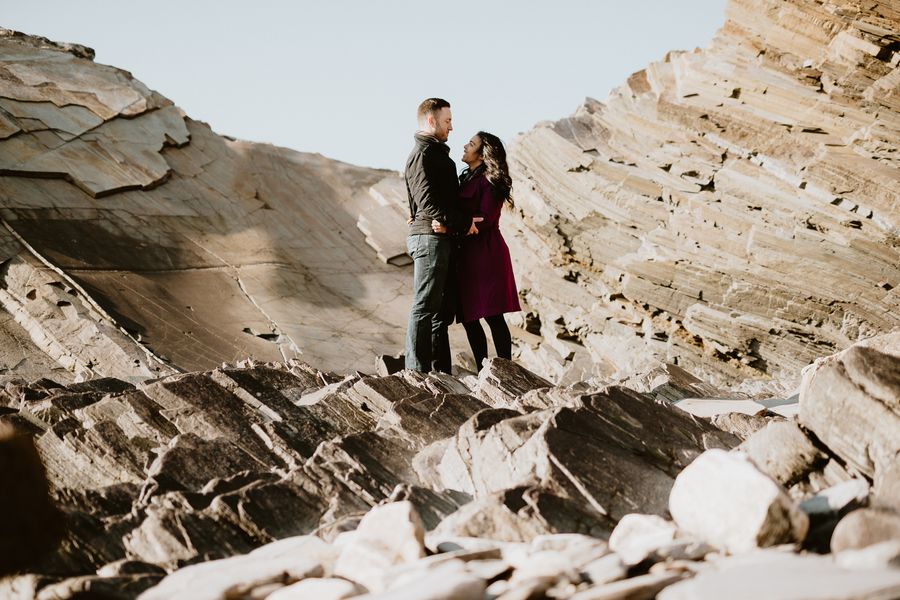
(617, 451)
(851, 401)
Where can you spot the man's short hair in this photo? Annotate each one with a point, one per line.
(429, 107)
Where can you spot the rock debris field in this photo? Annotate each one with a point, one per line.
(281, 481)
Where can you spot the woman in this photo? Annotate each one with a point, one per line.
(487, 287)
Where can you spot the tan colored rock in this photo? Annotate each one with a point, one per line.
(783, 451)
(880, 555)
(784, 576)
(637, 536)
(447, 582)
(199, 249)
(230, 577)
(865, 527)
(851, 402)
(724, 500)
(641, 586)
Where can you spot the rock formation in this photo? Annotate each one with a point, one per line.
(188, 322)
(251, 480)
(136, 242)
(732, 209)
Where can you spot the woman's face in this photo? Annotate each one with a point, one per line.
(472, 150)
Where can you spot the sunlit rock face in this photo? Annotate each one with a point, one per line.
(136, 241)
(733, 209)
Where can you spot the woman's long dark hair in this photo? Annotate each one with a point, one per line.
(495, 168)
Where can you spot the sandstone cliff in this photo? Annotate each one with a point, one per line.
(732, 209)
(135, 241)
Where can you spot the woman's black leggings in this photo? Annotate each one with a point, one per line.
(478, 341)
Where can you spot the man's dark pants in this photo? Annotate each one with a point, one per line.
(433, 307)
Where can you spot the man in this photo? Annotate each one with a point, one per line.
(432, 187)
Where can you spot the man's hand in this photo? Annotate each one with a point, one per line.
(410, 220)
(473, 230)
(438, 227)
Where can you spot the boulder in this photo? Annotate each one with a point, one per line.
(723, 499)
(518, 515)
(782, 451)
(615, 451)
(865, 527)
(638, 538)
(851, 401)
(887, 486)
(387, 536)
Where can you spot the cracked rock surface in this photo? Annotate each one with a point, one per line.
(250, 479)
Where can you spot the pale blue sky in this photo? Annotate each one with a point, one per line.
(344, 77)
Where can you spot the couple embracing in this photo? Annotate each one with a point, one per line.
(462, 268)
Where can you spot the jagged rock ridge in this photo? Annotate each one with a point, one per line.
(733, 209)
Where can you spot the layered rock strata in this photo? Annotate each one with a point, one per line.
(136, 242)
(732, 209)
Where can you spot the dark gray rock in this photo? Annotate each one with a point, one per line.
(189, 462)
(617, 452)
(430, 418)
(501, 382)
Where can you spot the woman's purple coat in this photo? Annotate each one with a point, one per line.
(487, 286)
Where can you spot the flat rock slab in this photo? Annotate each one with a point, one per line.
(710, 407)
(783, 576)
(231, 577)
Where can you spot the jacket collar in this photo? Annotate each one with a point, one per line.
(426, 138)
(468, 173)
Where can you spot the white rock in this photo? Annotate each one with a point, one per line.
(784, 576)
(445, 583)
(638, 536)
(577, 548)
(876, 556)
(837, 497)
(606, 569)
(710, 407)
(389, 535)
(231, 577)
(318, 588)
(723, 499)
(642, 586)
(545, 564)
